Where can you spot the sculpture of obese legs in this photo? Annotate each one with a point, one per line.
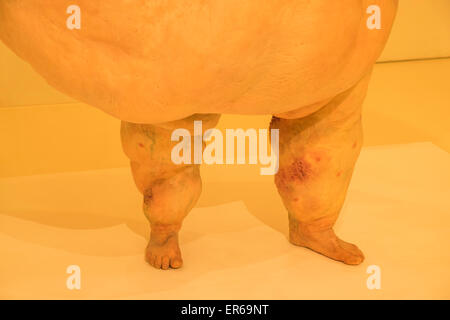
(170, 191)
(317, 156)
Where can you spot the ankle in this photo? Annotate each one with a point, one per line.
(306, 229)
(161, 232)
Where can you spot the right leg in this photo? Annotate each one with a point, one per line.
(316, 160)
(170, 191)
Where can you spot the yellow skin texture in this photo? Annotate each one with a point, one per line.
(159, 65)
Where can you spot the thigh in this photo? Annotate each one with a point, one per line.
(150, 145)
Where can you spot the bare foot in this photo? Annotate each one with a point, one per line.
(163, 251)
(327, 243)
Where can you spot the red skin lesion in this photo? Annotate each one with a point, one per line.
(148, 196)
(301, 169)
(298, 171)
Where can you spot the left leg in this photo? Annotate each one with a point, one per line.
(317, 157)
(169, 190)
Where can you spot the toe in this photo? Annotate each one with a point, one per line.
(353, 258)
(176, 262)
(165, 264)
(164, 255)
(157, 263)
(354, 255)
(349, 246)
(359, 253)
(152, 259)
(147, 256)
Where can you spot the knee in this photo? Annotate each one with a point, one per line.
(185, 184)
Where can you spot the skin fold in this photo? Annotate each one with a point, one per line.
(160, 65)
(154, 61)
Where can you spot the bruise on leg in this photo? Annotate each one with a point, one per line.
(300, 169)
(316, 161)
(148, 197)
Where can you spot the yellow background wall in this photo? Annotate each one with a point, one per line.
(421, 30)
(42, 130)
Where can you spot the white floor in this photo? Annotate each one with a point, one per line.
(234, 243)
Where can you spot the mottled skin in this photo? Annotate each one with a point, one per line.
(151, 63)
(170, 191)
(317, 157)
